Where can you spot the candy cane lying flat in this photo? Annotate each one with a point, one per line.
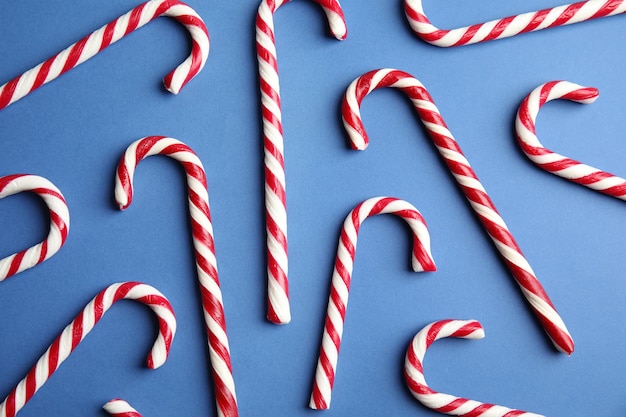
(445, 403)
(421, 260)
(553, 162)
(89, 46)
(508, 26)
(468, 182)
(275, 200)
(206, 264)
(120, 408)
(78, 329)
(59, 222)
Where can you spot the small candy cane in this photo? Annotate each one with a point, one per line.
(90, 45)
(78, 329)
(206, 263)
(59, 222)
(445, 403)
(467, 180)
(275, 200)
(508, 26)
(120, 408)
(555, 163)
(421, 260)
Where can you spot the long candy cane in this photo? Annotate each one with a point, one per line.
(508, 26)
(59, 222)
(553, 162)
(445, 403)
(468, 182)
(275, 200)
(90, 45)
(206, 264)
(78, 329)
(421, 260)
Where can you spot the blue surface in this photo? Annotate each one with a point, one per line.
(73, 131)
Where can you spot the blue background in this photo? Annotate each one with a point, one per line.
(73, 131)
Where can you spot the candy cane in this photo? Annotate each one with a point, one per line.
(421, 260)
(120, 408)
(90, 45)
(508, 26)
(275, 200)
(555, 163)
(445, 403)
(468, 182)
(206, 264)
(78, 329)
(59, 222)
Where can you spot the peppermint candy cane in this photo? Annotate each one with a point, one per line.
(508, 26)
(90, 45)
(445, 403)
(206, 263)
(59, 222)
(467, 180)
(78, 329)
(421, 260)
(120, 408)
(553, 162)
(275, 199)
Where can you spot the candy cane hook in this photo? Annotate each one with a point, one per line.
(59, 222)
(78, 329)
(206, 263)
(553, 162)
(421, 260)
(90, 45)
(508, 26)
(275, 199)
(467, 180)
(445, 403)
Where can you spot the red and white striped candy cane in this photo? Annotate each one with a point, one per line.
(78, 329)
(553, 162)
(421, 260)
(59, 222)
(468, 182)
(90, 45)
(508, 26)
(275, 199)
(120, 408)
(446, 403)
(206, 263)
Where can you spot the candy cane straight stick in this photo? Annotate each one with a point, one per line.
(468, 182)
(508, 26)
(445, 403)
(59, 222)
(421, 260)
(275, 200)
(92, 44)
(206, 264)
(553, 162)
(78, 329)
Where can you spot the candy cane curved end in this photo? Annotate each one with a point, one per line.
(445, 403)
(59, 222)
(342, 276)
(120, 408)
(468, 182)
(204, 246)
(509, 26)
(110, 33)
(278, 309)
(553, 162)
(77, 330)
